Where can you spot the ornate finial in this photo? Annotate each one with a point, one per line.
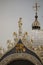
(20, 26)
(20, 22)
(10, 44)
(2, 51)
(36, 24)
(15, 34)
(36, 9)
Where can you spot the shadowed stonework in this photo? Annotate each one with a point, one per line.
(20, 62)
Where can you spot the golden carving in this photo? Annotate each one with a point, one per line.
(20, 48)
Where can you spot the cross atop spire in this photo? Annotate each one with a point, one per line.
(36, 6)
(36, 9)
(36, 24)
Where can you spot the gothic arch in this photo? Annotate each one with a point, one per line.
(24, 56)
